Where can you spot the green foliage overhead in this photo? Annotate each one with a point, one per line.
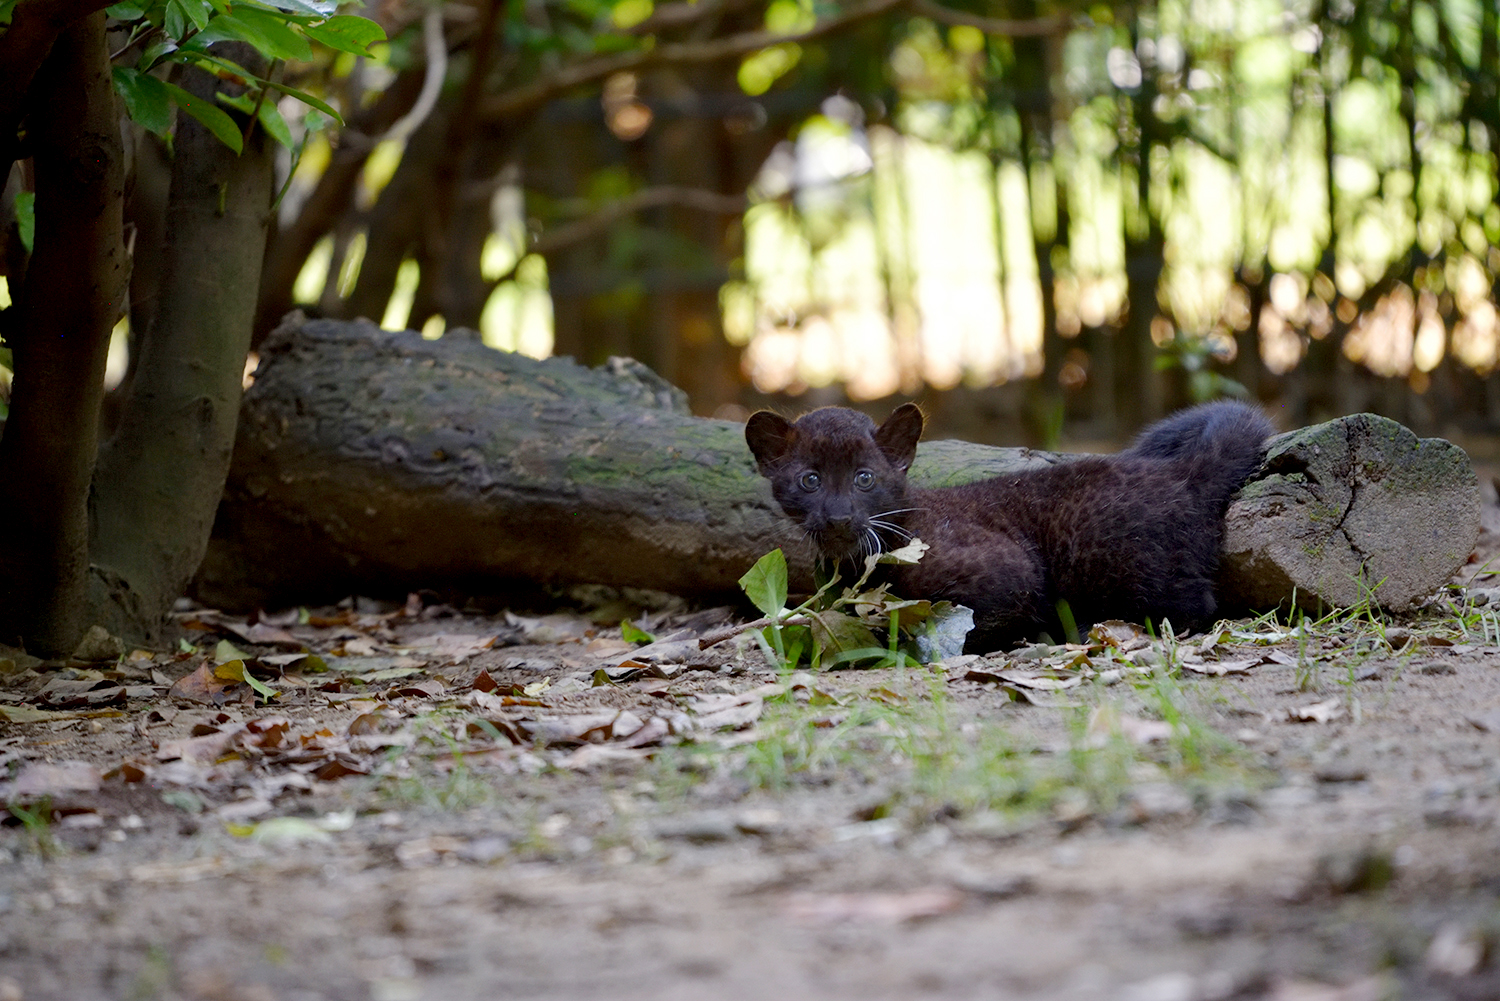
(186, 32)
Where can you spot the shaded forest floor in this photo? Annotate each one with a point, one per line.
(440, 804)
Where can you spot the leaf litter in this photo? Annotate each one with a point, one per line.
(250, 731)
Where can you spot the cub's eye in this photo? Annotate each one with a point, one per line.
(864, 479)
(810, 481)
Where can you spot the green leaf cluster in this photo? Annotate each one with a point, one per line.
(184, 31)
(854, 626)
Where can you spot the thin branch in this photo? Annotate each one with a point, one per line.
(587, 228)
(1031, 28)
(718, 635)
(432, 82)
(541, 91)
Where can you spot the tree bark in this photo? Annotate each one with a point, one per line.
(160, 477)
(68, 304)
(446, 465)
(35, 26)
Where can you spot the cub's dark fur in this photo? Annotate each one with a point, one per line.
(1130, 536)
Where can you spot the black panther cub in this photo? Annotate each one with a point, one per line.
(1131, 536)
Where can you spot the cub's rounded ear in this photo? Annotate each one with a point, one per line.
(769, 437)
(898, 436)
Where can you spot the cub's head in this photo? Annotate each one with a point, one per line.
(838, 475)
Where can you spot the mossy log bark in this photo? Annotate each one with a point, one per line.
(379, 463)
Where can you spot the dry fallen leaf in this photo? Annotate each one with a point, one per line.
(205, 748)
(578, 728)
(1317, 712)
(43, 778)
(26, 714)
(204, 687)
(1039, 682)
(454, 647)
(651, 732)
(1219, 668)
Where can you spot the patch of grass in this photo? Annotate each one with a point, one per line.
(932, 765)
(460, 788)
(37, 820)
(410, 778)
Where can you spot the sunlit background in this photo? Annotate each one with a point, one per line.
(1224, 189)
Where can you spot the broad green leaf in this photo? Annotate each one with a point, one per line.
(227, 651)
(878, 654)
(211, 118)
(195, 54)
(157, 51)
(837, 632)
(269, 34)
(274, 124)
(26, 218)
(7, 8)
(127, 10)
(307, 99)
(235, 670)
(270, 118)
(347, 33)
(243, 103)
(765, 583)
(195, 11)
(146, 99)
(176, 19)
(286, 43)
(228, 28)
(298, 8)
(634, 634)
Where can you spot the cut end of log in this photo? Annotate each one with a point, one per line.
(1357, 508)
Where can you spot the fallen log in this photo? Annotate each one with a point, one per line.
(379, 463)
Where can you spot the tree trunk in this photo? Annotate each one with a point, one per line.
(70, 300)
(31, 31)
(455, 466)
(160, 477)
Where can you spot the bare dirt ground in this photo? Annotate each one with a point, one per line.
(443, 805)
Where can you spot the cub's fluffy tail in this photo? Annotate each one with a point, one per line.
(1222, 444)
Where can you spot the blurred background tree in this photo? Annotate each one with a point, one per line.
(1108, 211)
